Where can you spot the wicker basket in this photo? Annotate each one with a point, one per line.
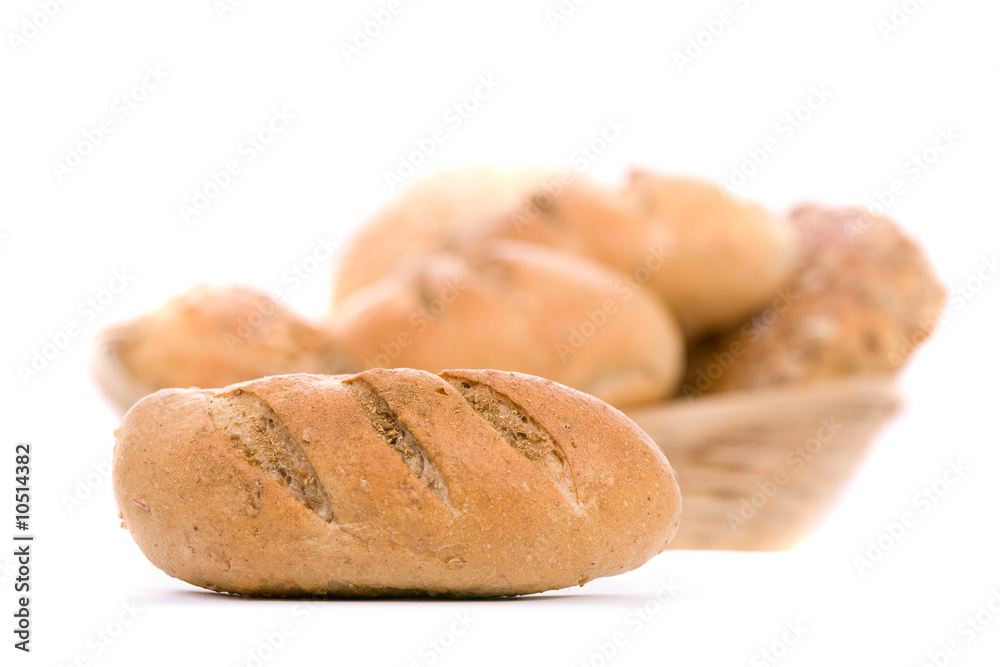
(760, 470)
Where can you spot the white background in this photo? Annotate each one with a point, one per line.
(558, 85)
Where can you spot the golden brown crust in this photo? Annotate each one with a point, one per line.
(210, 337)
(520, 307)
(587, 495)
(727, 257)
(861, 293)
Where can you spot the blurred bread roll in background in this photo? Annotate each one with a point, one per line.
(861, 299)
(425, 215)
(210, 337)
(578, 215)
(519, 307)
(716, 258)
(728, 255)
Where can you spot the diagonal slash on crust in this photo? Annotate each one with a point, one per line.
(258, 434)
(521, 432)
(399, 438)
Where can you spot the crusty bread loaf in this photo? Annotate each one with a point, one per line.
(210, 337)
(727, 255)
(862, 298)
(391, 482)
(519, 307)
(426, 216)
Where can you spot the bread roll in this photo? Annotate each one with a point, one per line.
(861, 299)
(424, 217)
(727, 258)
(519, 307)
(588, 219)
(391, 482)
(210, 337)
